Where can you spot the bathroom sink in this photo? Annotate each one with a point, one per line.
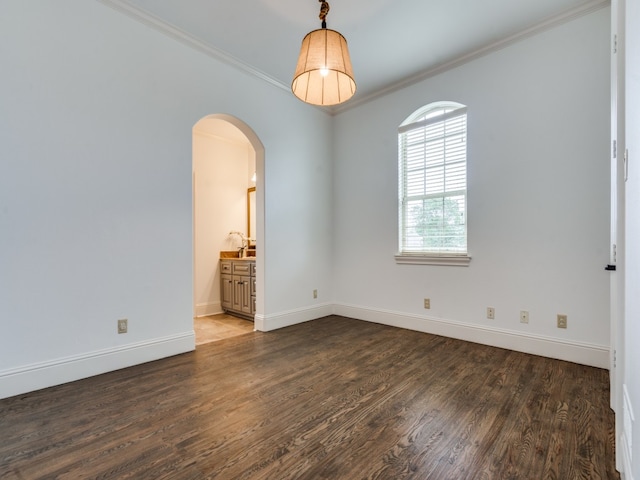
(229, 254)
(236, 254)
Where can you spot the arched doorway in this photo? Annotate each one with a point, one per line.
(228, 161)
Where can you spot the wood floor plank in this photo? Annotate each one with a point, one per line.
(335, 398)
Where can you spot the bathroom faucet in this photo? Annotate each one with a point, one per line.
(245, 243)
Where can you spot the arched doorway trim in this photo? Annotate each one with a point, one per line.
(260, 236)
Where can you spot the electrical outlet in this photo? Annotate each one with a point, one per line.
(491, 313)
(315, 294)
(562, 321)
(123, 325)
(524, 316)
(427, 303)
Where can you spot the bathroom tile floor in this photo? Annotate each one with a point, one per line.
(217, 327)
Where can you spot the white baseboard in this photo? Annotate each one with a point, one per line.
(28, 378)
(266, 323)
(626, 473)
(626, 438)
(206, 309)
(577, 352)
(46, 374)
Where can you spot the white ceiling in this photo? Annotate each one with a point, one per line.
(391, 41)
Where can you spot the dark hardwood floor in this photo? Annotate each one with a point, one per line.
(330, 399)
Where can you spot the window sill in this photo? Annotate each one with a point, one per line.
(452, 260)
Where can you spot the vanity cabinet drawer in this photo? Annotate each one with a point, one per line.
(225, 268)
(253, 269)
(241, 268)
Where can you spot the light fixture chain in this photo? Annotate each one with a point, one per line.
(324, 11)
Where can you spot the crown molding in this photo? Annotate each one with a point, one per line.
(150, 20)
(547, 24)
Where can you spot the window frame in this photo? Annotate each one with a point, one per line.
(421, 119)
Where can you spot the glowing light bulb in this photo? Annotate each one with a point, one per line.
(324, 71)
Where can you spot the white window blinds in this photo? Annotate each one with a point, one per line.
(433, 180)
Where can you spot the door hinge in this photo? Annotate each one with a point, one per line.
(615, 44)
(615, 253)
(614, 150)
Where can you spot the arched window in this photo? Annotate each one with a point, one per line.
(432, 144)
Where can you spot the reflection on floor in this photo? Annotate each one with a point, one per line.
(216, 327)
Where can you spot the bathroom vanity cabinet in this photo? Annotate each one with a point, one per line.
(238, 286)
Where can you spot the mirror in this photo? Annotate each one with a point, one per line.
(251, 213)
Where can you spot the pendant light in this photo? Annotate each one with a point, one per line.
(324, 75)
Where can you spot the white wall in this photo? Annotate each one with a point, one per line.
(95, 195)
(632, 243)
(221, 173)
(96, 118)
(538, 200)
